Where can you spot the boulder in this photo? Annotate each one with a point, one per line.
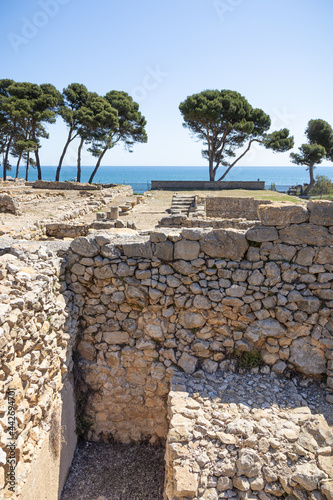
(281, 214)
(249, 463)
(308, 476)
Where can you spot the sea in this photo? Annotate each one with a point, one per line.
(140, 177)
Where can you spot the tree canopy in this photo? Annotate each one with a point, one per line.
(226, 122)
(129, 127)
(319, 147)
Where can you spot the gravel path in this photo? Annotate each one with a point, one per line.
(115, 472)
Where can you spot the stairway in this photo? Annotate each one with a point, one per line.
(181, 204)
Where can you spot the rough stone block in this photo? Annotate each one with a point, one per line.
(186, 250)
(281, 214)
(321, 212)
(262, 233)
(309, 234)
(225, 243)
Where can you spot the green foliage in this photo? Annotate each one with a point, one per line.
(323, 186)
(225, 122)
(319, 147)
(128, 128)
(248, 359)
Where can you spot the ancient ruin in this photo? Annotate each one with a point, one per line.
(213, 342)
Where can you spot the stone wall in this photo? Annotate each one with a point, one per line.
(180, 221)
(188, 299)
(206, 185)
(37, 330)
(79, 186)
(232, 207)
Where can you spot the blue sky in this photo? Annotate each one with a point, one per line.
(277, 53)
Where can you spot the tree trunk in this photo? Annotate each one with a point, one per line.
(312, 181)
(97, 165)
(27, 168)
(5, 161)
(39, 170)
(18, 165)
(211, 170)
(78, 175)
(69, 139)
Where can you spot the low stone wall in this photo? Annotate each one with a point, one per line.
(206, 185)
(62, 230)
(38, 326)
(232, 207)
(78, 186)
(8, 204)
(188, 299)
(247, 436)
(179, 221)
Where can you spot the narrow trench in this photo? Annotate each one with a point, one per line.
(101, 471)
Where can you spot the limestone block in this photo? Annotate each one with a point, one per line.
(307, 356)
(308, 476)
(85, 246)
(191, 320)
(249, 463)
(265, 328)
(327, 489)
(225, 243)
(309, 234)
(187, 362)
(280, 214)
(185, 482)
(325, 256)
(164, 250)
(305, 256)
(119, 337)
(187, 249)
(309, 304)
(262, 233)
(321, 212)
(138, 248)
(110, 251)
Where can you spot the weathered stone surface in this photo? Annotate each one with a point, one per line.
(308, 358)
(8, 204)
(265, 328)
(164, 250)
(249, 463)
(308, 476)
(327, 489)
(309, 304)
(305, 256)
(321, 212)
(225, 243)
(325, 256)
(110, 251)
(191, 320)
(309, 234)
(187, 250)
(262, 233)
(186, 482)
(280, 214)
(138, 248)
(116, 337)
(85, 246)
(187, 362)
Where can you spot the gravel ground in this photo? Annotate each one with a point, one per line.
(115, 472)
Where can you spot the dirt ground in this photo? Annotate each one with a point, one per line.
(115, 472)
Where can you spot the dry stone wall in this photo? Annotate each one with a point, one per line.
(188, 299)
(37, 331)
(232, 207)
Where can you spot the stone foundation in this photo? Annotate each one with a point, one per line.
(247, 436)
